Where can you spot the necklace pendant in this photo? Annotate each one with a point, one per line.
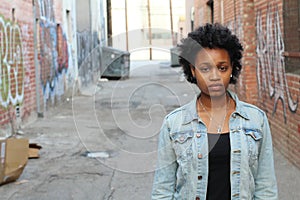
(219, 129)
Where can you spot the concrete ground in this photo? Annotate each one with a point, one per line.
(102, 144)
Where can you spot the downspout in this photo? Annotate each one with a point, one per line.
(36, 63)
(109, 23)
(234, 14)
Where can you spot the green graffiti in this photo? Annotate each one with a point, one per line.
(11, 64)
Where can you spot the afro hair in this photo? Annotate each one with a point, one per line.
(210, 36)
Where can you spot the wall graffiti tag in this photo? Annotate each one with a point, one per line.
(236, 26)
(62, 51)
(271, 76)
(89, 56)
(11, 64)
(53, 53)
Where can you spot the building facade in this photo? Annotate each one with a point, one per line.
(39, 54)
(17, 79)
(55, 55)
(91, 36)
(270, 34)
(146, 25)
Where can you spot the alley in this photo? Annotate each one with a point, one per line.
(101, 144)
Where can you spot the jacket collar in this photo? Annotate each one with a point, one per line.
(190, 109)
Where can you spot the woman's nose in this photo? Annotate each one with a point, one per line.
(215, 75)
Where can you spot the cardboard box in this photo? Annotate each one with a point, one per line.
(13, 158)
(34, 151)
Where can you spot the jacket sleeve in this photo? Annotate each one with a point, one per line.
(165, 173)
(265, 181)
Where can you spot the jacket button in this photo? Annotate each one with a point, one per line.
(198, 135)
(197, 198)
(199, 155)
(199, 177)
(237, 151)
(181, 138)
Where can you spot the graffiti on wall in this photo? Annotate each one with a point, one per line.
(62, 51)
(271, 74)
(53, 53)
(236, 26)
(46, 10)
(27, 66)
(89, 56)
(11, 64)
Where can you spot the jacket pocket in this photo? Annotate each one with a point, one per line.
(254, 138)
(183, 147)
(182, 143)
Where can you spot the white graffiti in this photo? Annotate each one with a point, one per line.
(11, 64)
(46, 10)
(27, 69)
(271, 76)
(236, 27)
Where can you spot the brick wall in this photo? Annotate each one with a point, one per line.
(55, 56)
(18, 82)
(269, 80)
(202, 13)
(17, 75)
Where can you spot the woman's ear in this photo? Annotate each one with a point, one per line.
(192, 70)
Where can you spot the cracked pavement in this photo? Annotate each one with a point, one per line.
(121, 118)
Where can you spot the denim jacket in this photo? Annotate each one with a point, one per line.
(182, 165)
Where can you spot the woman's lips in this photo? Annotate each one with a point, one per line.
(216, 87)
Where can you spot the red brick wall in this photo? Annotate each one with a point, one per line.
(202, 13)
(17, 81)
(53, 54)
(17, 75)
(260, 26)
(278, 91)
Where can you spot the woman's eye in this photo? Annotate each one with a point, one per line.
(204, 68)
(222, 68)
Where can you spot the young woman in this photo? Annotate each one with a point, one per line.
(216, 147)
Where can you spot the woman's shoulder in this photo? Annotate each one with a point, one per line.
(255, 115)
(252, 107)
(248, 108)
(184, 110)
(177, 111)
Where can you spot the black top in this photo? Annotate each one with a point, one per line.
(219, 167)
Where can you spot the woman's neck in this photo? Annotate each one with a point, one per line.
(214, 103)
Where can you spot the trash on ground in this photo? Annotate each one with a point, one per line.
(34, 150)
(99, 154)
(21, 182)
(13, 158)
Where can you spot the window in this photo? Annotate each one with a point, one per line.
(210, 4)
(291, 15)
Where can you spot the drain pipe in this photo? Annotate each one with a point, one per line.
(234, 13)
(36, 64)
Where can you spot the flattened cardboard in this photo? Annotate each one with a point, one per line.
(34, 150)
(2, 159)
(14, 156)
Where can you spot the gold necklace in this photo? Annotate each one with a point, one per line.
(221, 125)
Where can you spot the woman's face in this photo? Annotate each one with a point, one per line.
(212, 71)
